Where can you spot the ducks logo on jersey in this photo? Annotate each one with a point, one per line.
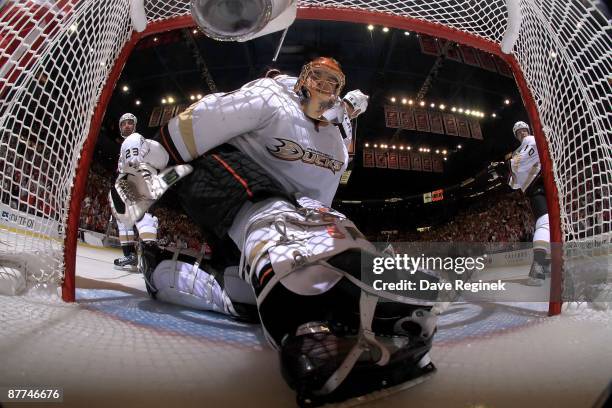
(290, 151)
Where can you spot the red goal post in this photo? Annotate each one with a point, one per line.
(560, 70)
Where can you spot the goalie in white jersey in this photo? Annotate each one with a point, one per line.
(267, 161)
(525, 174)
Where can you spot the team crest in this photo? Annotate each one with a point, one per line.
(291, 151)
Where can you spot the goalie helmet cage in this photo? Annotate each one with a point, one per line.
(60, 62)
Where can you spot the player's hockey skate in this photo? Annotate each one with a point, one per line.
(126, 262)
(139, 187)
(313, 358)
(536, 275)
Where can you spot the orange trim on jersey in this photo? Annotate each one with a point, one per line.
(233, 173)
(169, 148)
(262, 278)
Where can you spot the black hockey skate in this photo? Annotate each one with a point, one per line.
(128, 262)
(148, 259)
(312, 359)
(537, 274)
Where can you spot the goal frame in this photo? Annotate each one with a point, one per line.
(325, 14)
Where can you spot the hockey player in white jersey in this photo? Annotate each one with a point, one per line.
(131, 149)
(267, 161)
(525, 174)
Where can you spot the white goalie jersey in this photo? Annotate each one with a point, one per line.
(524, 164)
(265, 121)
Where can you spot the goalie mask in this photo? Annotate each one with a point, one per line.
(319, 86)
(127, 124)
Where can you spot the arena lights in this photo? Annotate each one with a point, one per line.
(406, 33)
(137, 102)
(73, 28)
(375, 146)
(459, 146)
(385, 29)
(404, 101)
(192, 97)
(444, 151)
(408, 148)
(195, 31)
(393, 147)
(370, 27)
(125, 88)
(493, 115)
(433, 105)
(420, 149)
(445, 159)
(442, 106)
(437, 151)
(154, 39)
(199, 96)
(467, 112)
(170, 99)
(401, 147)
(454, 109)
(507, 102)
(410, 101)
(460, 110)
(164, 101)
(393, 99)
(367, 145)
(422, 103)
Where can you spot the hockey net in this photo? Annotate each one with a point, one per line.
(60, 60)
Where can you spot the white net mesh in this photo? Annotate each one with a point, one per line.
(56, 57)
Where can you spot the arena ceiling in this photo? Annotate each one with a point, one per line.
(382, 64)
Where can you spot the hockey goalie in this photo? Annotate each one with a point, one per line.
(260, 166)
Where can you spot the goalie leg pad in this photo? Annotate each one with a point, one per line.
(184, 284)
(307, 259)
(184, 280)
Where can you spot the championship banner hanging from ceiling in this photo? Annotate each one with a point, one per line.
(393, 160)
(463, 127)
(437, 122)
(368, 158)
(437, 164)
(381, 159)
(422, 120)
(450, 124)
(392, 118)
(402, 160)
(407, 119)
(475, 129)
(416, 161)
(464, 54)
(431, 121)
(426, 161)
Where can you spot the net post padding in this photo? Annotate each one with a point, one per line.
(329, 14)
